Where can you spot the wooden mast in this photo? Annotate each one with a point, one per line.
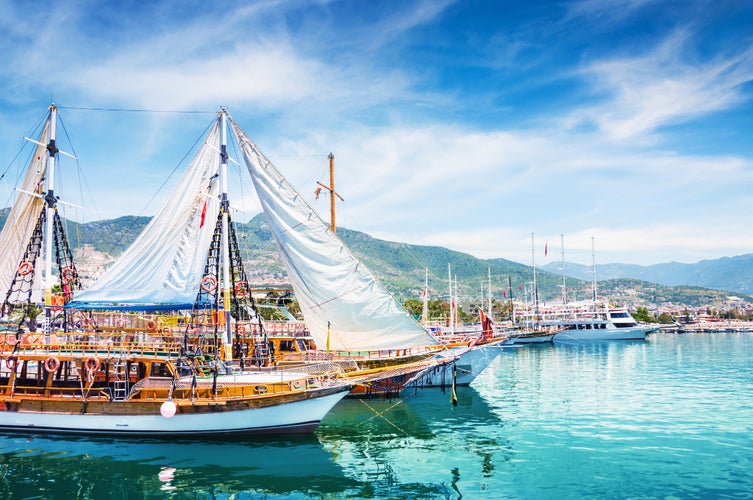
(332, 192)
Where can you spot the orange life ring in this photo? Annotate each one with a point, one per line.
(151, 325)
(68, 274)
(51, 364)
(241, 289)
(242, 329)
(91, 364)
(119, 323)
(25, 268)
(209, 283)
(11, 362)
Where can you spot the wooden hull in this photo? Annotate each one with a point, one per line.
(298, 413)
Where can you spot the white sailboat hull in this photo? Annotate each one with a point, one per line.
(468, 365)
(633, 333)
(294, 417)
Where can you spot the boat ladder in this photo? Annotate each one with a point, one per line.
(120, 378)
(261, 352)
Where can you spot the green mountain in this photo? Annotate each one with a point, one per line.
(401, 267)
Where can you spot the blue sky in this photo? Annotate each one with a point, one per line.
(467, 124)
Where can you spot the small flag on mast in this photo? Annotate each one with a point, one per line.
(203, 214)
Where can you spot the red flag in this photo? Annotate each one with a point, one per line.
(504, 293)
(546, 248)
(486, 325)
(203, 214)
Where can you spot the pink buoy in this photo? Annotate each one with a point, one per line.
(168, 409)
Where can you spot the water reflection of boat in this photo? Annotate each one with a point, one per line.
(402, 433)
(137, 468)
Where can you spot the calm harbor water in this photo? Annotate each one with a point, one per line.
(671, 417)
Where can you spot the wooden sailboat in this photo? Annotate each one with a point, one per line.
(119, 371)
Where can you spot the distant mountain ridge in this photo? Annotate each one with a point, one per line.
(401, 268)
(727, 273)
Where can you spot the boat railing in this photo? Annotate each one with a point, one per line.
(74, 393)
(94, 347)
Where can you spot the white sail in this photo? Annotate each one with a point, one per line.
(333, 288)
(23, 215)
(164, 266)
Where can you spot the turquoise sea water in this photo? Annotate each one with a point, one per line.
(671, 417)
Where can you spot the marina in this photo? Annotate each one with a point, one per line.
(194, 306)
(590, 420)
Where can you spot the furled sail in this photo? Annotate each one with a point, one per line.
(163, 267)
(24, 213)
(343, 304)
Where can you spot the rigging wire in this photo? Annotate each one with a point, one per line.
(241, 227)
(135, 219)
(139, 110)
(80, 177)
(31, 132)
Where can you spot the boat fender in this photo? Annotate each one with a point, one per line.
(168, 409)
(25, 268)
(92, 364)
(209, 283)
(151, 325)
(51, 364)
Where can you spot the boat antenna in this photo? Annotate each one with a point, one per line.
(332, 192)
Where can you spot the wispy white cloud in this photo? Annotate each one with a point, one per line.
(582, 166)
(641, 94)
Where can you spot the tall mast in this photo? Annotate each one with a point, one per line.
(564, 286)
(512, 304)
(593, 259)
(425, 309)
(49, 199)
(225, 208)
(457, 313)
(490, 293)
(535, 288)
(332, 192)
(452, 301)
